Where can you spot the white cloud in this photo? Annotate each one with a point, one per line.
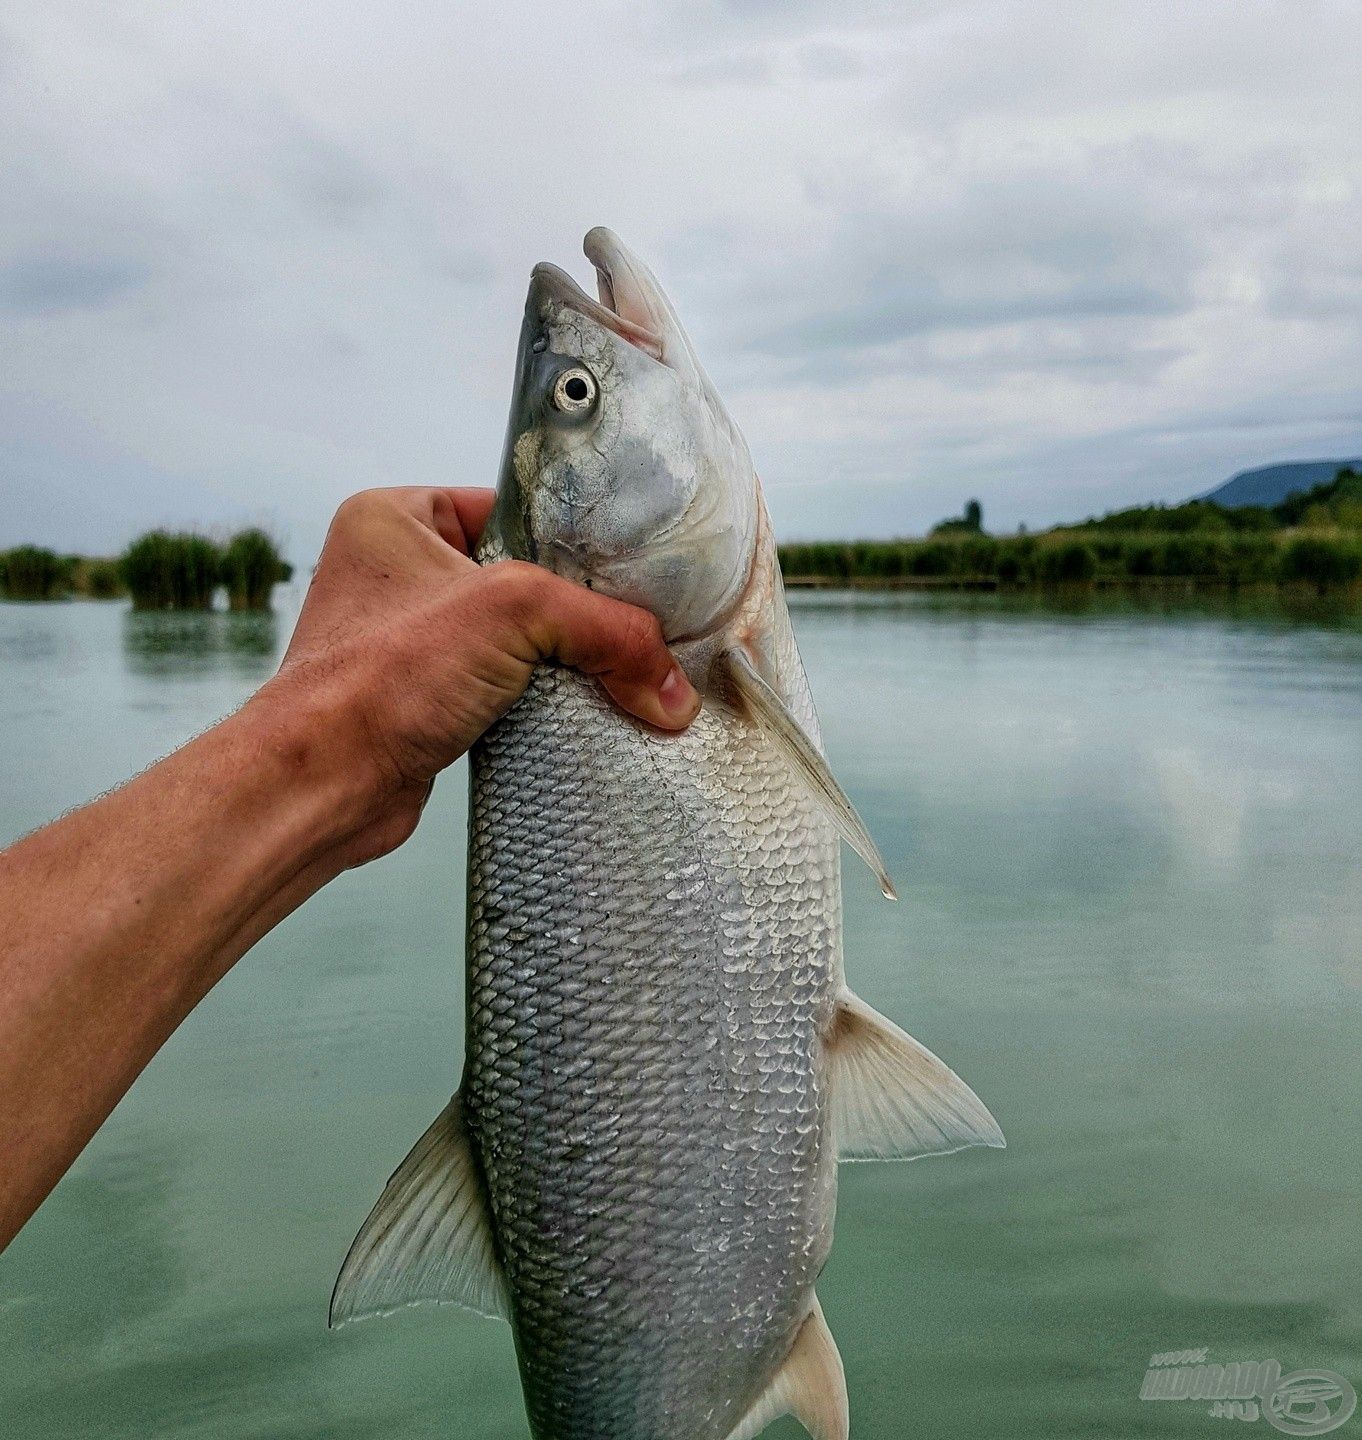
(253, 257)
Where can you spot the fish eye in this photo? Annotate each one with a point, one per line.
(575, 391)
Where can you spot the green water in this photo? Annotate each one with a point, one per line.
(1128, 842)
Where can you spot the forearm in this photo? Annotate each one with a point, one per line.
(119, 918)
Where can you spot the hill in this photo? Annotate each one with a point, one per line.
(1271, 484)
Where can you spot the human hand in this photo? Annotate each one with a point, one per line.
(406, 650)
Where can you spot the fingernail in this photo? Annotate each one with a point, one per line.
(679, 697)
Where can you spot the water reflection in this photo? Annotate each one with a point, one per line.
(246, 1372)
(171, 644)
(1339, 608)
(26, 640)
(102, 1259)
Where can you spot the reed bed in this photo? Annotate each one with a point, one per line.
(29, 572)
(1318, 559)
(182, 571)
(250, 567)
(171, 570)
(95, 578)
(1310, 539)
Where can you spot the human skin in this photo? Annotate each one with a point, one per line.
(120, 917)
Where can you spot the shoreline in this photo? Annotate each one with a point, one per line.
(987, 583)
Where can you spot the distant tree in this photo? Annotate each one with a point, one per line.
(1305, 506)
(970, 523)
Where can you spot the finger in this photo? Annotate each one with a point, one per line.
(619, 644)
(460, 515)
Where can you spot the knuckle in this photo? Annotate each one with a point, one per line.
(356, 508)
(514, 590)
(640, 637)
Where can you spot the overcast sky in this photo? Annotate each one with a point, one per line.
(1063, 257)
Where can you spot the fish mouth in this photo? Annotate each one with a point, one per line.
(628, 305)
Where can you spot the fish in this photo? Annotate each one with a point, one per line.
(664, 1064)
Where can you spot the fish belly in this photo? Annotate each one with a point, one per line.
(654, 933)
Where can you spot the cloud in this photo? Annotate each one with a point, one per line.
(725, 70)
(1029, 244)
(1062, 257)
(40, 284)
(821, 61)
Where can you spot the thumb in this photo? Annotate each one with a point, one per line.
(621, 645)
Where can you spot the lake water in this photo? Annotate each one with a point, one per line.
(1129, 843)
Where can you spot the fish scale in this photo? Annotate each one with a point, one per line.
(643, 1081)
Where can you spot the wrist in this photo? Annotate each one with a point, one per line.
(311, 746)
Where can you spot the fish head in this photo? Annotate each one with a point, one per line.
(622, 469)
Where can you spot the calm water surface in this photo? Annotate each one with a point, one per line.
(1130, 848)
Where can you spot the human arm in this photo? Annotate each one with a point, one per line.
(120, 917)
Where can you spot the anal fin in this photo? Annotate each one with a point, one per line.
(810, 1385)
(429, 1238)
(892, 1099)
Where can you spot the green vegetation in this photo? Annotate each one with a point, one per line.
(160, 570)
(1321, 561)
(1314, 538)
(171, 571)
(970, 523)
(251, 564)
(29, 572)
(93, 578)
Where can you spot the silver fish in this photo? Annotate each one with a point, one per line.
(664, 1064)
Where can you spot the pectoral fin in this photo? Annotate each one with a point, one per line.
(772, 716)
(429, 1238)
(810, 1386)
(892, 1099)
